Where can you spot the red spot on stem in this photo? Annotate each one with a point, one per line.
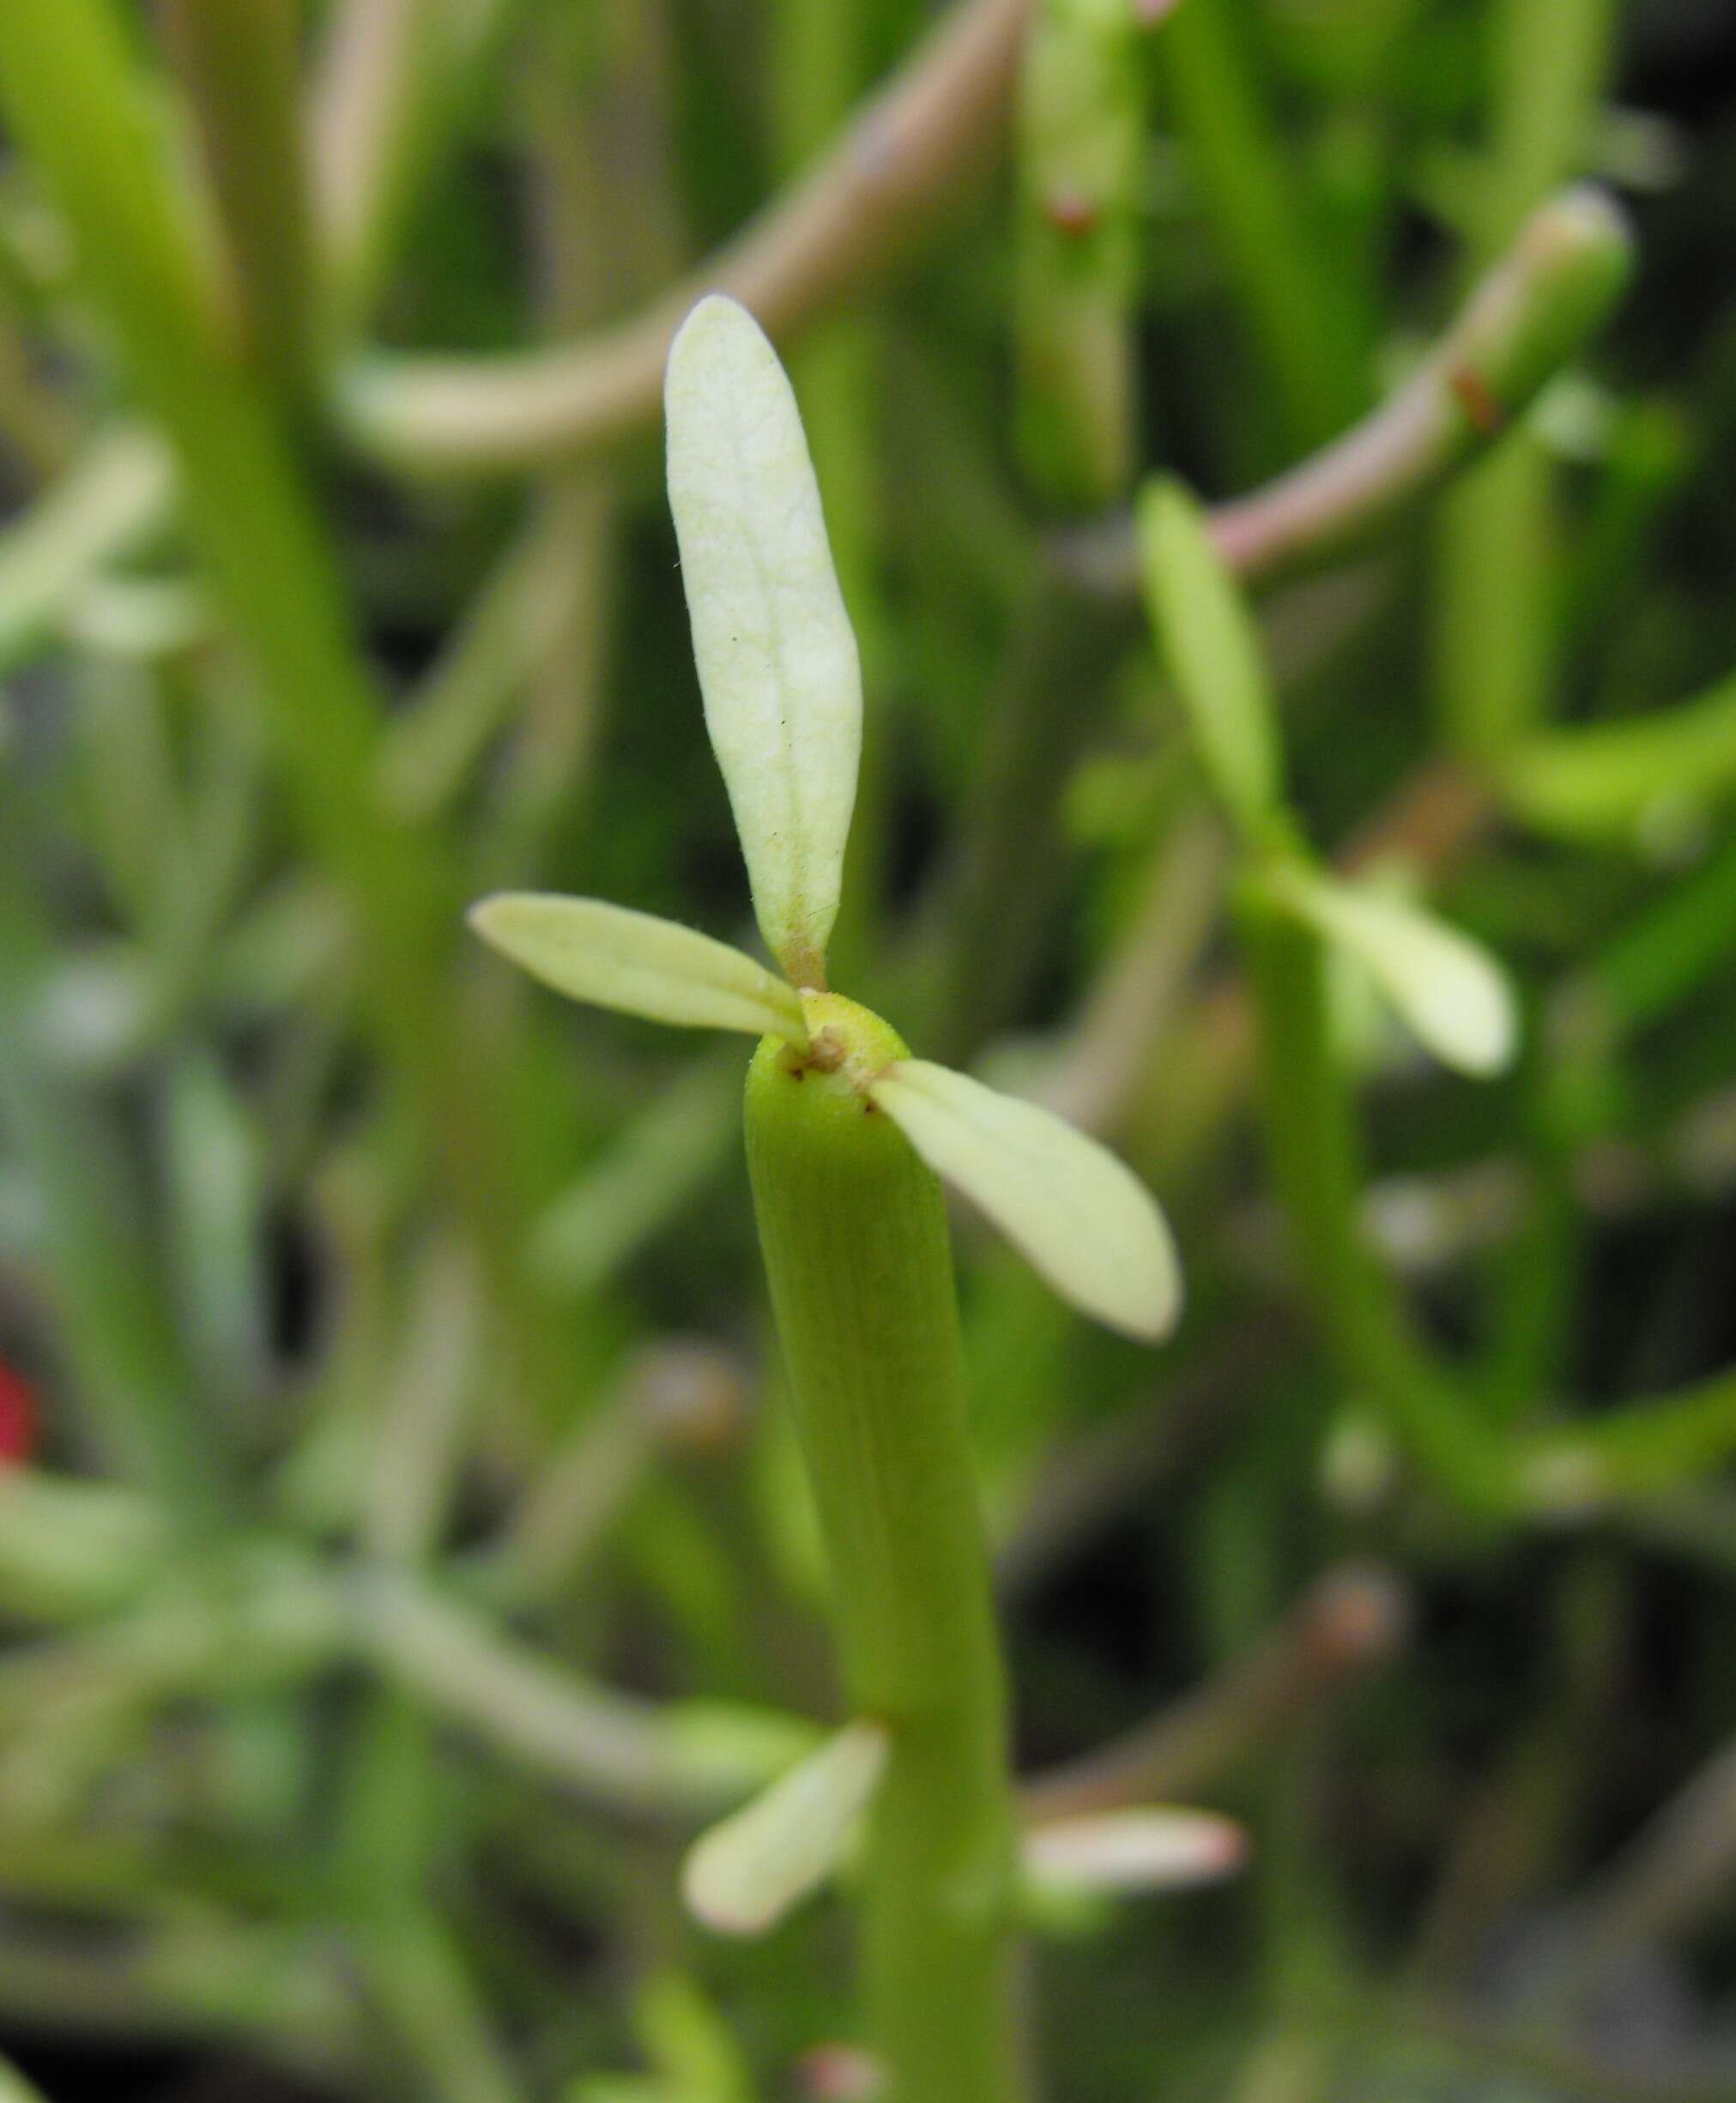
(1472, 392)
(1070, 212)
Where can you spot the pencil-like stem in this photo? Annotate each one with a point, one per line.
(111, 1299)
(853, 1231)
(1317, 1164)
(392, 76)
(1314, 349)
(868, 199)
(1531, 314)
(77, 105)
(1495, 640)
(238, 59)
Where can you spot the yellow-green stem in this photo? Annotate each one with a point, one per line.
(853, 1231)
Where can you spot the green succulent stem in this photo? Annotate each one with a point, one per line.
(854, 1229)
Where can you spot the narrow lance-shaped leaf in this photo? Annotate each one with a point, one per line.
(742, 1876)
(636, 962)
(1141, 1849)
(1081, 1216)
(776, 654)
(1448, 988)
(1212, 653)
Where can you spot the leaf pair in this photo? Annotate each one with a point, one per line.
(1452, 993)
(747, 1874)
(783, 697)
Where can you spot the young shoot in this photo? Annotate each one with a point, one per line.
(783, 695)
(846, 1134)
(1449, 991)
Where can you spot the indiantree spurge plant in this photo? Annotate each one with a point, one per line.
(846, 1134)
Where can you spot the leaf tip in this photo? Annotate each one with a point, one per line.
(490, 919)
(711, 324)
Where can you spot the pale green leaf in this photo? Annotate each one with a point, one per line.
(1450, 991)
(1212, 652)
(745, 1875)
(777, 657)
(1080, 1216)
(1141, 1849)
(636, 962)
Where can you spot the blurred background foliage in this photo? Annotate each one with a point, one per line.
(401, 1550)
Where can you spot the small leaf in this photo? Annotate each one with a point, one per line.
(1449, 989)
(744, 1876)
(1212, 653)
(1081, 1216)
(776, 657)
(639, 964)
(1137, 1850)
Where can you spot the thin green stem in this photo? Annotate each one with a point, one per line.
(873, 197)
(110, 1293)
(1082, 118)
(239, 60)
(1317, 1164)
(1353, 1618)
(1011, 858)
(1314, 348)
(70, 88)
(854, 1231)
(1659, 957)
(627, 1754)
(1527, 319)
(393, 78)
(1495, 627)
(1547, 70)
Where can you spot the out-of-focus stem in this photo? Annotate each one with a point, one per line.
(614, 1750)
(111, 1297)
(1316, 350)
(878, 190)
(1317, 1165)
(1547, 67)
(1010, 861)
(390, 76)
(1126, 1014)
(1532, 313)
(240, 61)
(1495, 618)
(1351, 1620)
(35, 427)
(70, 89)
(203, 1981)
(1082, 112)
(669, 1394)
(70, 1549)
(417, 1975)
(1674, 1871)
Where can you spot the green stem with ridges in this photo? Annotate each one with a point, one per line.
(853, 1231)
